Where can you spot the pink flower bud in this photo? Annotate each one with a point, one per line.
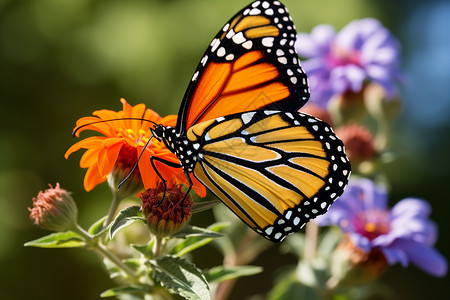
(54, 209)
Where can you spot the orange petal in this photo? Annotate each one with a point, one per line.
(170, 120)
(92, 178)
(148, 175)
(89, 158)
(87, 143)
(92, 123)
(107, 156)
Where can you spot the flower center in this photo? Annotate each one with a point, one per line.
(340, 57)
(372, 224)
(140, 137)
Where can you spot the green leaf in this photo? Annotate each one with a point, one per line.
(201, 206)
(328, 242)
(68, 239)
(195, 242)
(120, 290)
(125, 217)
(181, 277)
(222, 273)
(194, 231)
(294, 243)
(288, 287)
(97, 228)
(146, 250)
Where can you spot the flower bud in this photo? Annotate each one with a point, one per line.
(123, 167)
(351, 266)
(378, 105)
(166, 216)
(54, 209)
(347, 107)
(358, 141)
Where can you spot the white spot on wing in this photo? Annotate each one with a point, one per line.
(238, 38)
(221, 52)
(247, 45)
(229, 57)
(268, 41)
(255, 12)
(247, 117)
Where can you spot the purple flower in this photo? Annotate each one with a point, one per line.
(403, 234)
(339, 62)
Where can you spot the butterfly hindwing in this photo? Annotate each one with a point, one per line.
(250, 64)
(275, 170)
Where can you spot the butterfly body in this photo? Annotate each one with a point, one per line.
(240, 134)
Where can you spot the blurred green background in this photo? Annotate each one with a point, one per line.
(63, 59)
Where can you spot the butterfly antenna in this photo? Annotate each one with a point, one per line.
(136, 164)
(110, 120)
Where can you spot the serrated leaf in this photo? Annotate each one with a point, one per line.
(97, 228)
(68, 239)
(201, 206)
(120, 290)
(194, 231)
(192, 243)
(181, 277)
(125, 217)
(222, 273)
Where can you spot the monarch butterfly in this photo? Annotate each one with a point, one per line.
(240, 134)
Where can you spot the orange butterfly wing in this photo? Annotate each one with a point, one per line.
(250, 64)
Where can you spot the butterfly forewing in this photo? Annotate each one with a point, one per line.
(275, 170)
(250, 64)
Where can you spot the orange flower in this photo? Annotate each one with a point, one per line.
(121, 144)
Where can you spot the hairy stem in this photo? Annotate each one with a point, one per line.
(104, 252)
(112, 209)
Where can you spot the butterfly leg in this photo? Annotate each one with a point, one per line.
(167, 163)
(190, 184)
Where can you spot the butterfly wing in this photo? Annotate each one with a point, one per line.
(274, 170)
(250, 64)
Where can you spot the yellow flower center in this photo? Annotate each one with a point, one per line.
(370, 227)
(140, 137)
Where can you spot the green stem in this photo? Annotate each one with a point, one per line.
(158, 246)
(103, 251)
(112, 209)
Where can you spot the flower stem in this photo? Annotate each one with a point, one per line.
(158, 246)
(312, 231)
(112, 209)
(104, 252)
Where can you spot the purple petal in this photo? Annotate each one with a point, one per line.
(337, 217)
(385, 240)
(353, 35)
(411, 208)
(317, 43)
(315, 67)
(375, 197)
(361, 242)
(383, 56)
(378, 72)
(355, 76)
(419, 230)
(424, 257)
(395, 255)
